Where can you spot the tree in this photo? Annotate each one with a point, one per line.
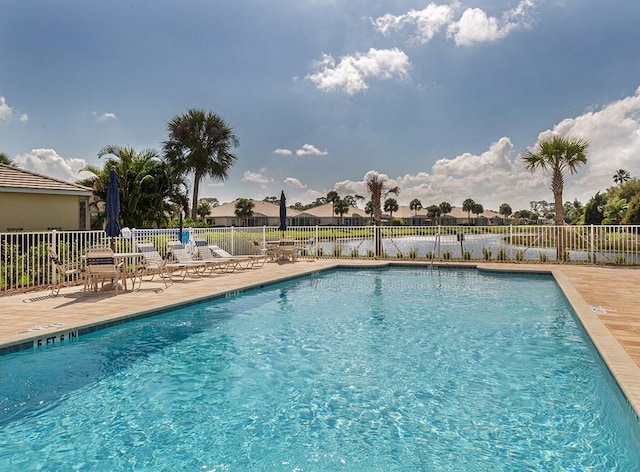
(573, 211)
(332, 197)
(244, 209)
(4, 159)
(377, 188)
(415, 205)
(505, 210)
(149, 187)
(341, 206)
(621, 176)
(212, 201)
(274, 200)
(477, 210)
(467, 206)
(433, 212)
(391, 205)
(203, 209)
(593, 209)
(201, 143)
(445, 208)
(557, 154)
(632, 215)
(368, 208)
(614, 210)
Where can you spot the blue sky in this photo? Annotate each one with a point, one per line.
(440, 97)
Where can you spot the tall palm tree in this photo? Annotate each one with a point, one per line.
(433, 212)
(445, 208)
(505, 210)
(4, 159)
(391, 205)
(377, 188)
(557, 154)
(202, 143)
(467, 206)
(244, 209)
(415, 205)
(477, 210)
(340, 207)
(621, 176)
(332, 197)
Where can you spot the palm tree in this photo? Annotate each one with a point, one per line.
(204, 207)
(433, 212)
(477, 210)
(147, 186)
(391, 205)
(340, 207)
(377, 187)
(332, 197)
(4, 159)
(467, 206)
(244, 209)
(415, 205)
(505, 209)
(445, 208)
(558, 154)
(621, 176)
(201, 143)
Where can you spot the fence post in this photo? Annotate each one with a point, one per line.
(54, 245)
(233, 240)
(592, 252)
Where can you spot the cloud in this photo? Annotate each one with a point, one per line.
(48, 162)
(427, 22)
(310, 150)
(473, 26)
(496, 175)
(282, 152)
(295, 183)
(351, 73)
(8, 113)
(256, 178)
(104, 116)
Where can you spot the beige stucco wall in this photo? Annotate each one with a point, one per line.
(34, 212)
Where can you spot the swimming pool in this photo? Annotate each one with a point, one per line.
(383, 369)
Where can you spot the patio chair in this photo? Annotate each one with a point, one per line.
(287, 249)
(194, 267)
(250, 260)
(153, 264)
(225, 264)
(101, 267)
(63, 272)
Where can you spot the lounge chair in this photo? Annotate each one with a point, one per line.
(101, 266)
(250, 260)
(196, 267)
(226, 264)
(153, 264)
(63, 272)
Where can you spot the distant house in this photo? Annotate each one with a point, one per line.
(268, 214)
(33, 202)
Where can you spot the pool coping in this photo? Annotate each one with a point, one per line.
(620, 364)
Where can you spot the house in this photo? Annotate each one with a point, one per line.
(34, 202)
(264, 214)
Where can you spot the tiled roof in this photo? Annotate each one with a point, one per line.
(14, 179)
(260, 208)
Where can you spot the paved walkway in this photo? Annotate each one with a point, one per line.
(606, 300)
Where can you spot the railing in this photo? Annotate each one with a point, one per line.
(25, 265)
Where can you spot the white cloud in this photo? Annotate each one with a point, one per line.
(8, 113)
(351, 73)
(475, 26)
(310, 150)
(48, 162)
(256, 178)
(427, 22)
(293, 182)
(104, 116)
(497, 176)
(283, 152)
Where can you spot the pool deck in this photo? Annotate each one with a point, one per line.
(605, 299)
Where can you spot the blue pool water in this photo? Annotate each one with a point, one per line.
(367, 370)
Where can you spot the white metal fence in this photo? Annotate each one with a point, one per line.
(24, 261)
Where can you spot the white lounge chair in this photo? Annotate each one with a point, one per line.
(153, 264)
(180, 254)
(250, 260)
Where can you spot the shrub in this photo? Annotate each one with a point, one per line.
(354, 252)
(466, 255)
(337, 251)
(519, 256)
(399, 255)
(370, 253)
(621, 259)
(413, 253)
(543, 257)
(502, 255)
(486, 254)
(446, 255)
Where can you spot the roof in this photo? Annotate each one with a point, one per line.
(16, 180)
(326, 211)
(260, 208)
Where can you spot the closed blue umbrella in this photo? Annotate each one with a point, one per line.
(283, 212)
(113, 205)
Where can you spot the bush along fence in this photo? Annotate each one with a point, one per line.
(25, 263)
